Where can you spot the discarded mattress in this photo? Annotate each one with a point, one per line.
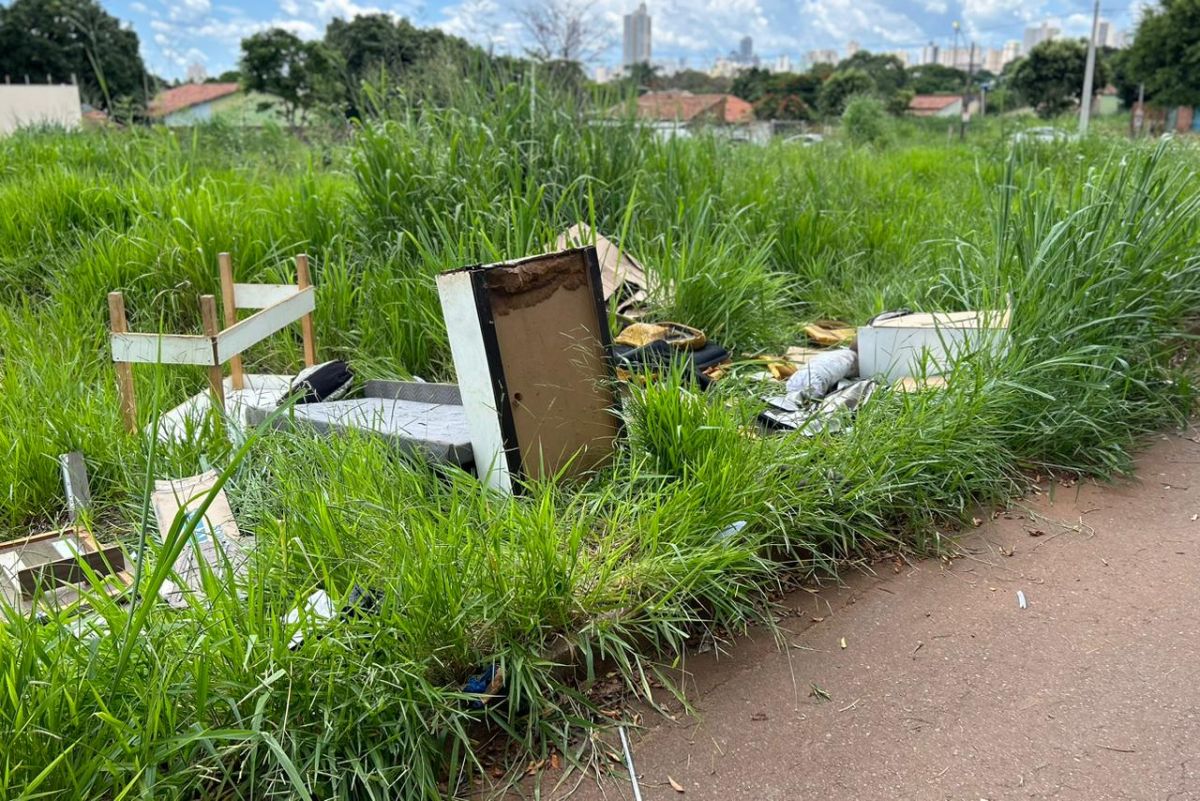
(425, 418)
(260, 391)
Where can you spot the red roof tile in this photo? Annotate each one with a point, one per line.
(685, 107)
(932, 102)
(188, 95)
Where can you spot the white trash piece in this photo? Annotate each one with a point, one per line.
(899, 347)
(816, 377)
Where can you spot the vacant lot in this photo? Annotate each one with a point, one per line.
(1095, 242)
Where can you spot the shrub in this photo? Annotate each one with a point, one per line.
(865, 121)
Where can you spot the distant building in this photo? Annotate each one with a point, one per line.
(1011, 52)
(636, 45)
(935, 106)
(746, 49)
(725, 68)
(24, 105)
(901, 55)
(852, 47)
(822, 57)
(961, 58)
(929, 54)
(993, 60)
(603, 74)
(198, 103)
(1035, 35)
(681, 107)
(782, 63)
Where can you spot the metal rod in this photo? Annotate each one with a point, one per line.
(637, 791)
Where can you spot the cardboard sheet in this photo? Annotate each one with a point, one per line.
(214, 539)
(551, 342)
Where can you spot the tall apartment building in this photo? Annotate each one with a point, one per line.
(1035, 35)
(636, 45)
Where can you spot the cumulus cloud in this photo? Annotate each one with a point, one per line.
(694, 30)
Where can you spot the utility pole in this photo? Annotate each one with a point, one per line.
(1085, 102)
(966, 96)
(1139, 112)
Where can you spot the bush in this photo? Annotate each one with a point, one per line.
(865, 121)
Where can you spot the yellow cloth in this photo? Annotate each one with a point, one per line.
(830, 332)
(639, 334)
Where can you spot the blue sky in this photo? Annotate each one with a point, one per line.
(176, 33)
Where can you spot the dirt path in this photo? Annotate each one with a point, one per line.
(946, 689)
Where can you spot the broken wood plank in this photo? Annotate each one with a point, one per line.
(262, 324)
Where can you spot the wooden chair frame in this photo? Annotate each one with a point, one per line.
(275, 306)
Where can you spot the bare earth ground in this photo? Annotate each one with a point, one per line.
(946, 689)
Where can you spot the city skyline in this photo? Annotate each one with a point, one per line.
(177, 34)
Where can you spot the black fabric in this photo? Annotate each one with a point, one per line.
(321, 382)
(661, 354)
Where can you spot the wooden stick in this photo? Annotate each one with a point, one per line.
(306, 322)
(120, 325)
(216, 381)
(227, 299)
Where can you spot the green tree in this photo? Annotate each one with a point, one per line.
(1050, 78)
(1165, 53)
(934, 79)
(1120, 73)
(898, 103)
(367, 43)
(750, 85)
(787, 96)
(865, 121)
(643, 75)
(841, 86)
(886, 71)
(61, 38)
(301, 74)
(695, 81)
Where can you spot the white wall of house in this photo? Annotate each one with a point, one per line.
(23, 105)
(192, 115)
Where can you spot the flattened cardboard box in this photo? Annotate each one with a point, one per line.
(214, 539)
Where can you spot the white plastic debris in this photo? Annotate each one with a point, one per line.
(1021, 602)
(822, 372)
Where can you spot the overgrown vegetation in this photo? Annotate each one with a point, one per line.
(1095, 242)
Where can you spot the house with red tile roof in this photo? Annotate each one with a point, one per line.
(198, 103)
(685, 108)
(935, 106)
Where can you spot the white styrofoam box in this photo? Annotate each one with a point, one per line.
(896, 348)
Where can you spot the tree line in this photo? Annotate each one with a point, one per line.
(353, 65)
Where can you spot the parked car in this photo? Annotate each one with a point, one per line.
(1043, 134)
(805, 139)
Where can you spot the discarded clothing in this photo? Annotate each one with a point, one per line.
(676, 334)
(661, 355)
(322, 382)
(830, 332)
(488, 685)
(822, 372)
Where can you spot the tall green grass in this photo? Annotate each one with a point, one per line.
(1094, 242)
